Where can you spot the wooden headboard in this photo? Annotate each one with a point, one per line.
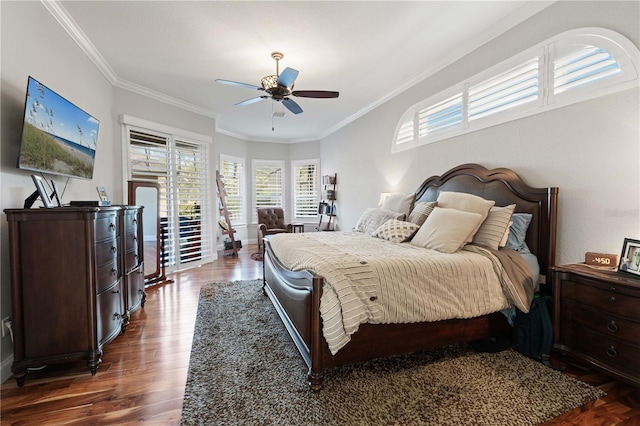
(505, 187)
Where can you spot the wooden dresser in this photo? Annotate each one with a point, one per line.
(75, 277)
(597, 319)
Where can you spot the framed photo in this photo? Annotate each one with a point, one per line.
(630, 257)
(39, 182)
(102, 193)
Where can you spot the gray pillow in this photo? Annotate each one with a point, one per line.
(421, 212)
(518, 232)
(396, 231)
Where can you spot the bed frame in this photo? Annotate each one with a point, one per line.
(296, 295)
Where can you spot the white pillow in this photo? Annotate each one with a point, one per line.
(505, 237)
(395, 230)
(468, 203)
(400, 203)
(421, 212)
(373, 217)
(492, 230)
(446, 230)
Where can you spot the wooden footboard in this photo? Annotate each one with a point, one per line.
(296, 298)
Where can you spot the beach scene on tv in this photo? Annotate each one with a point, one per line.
(58, 137)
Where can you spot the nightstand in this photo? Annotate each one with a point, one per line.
(597, 319)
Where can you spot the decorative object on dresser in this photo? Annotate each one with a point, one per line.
(76, 276)
(597, 319)
(630, 257)
(603, 260)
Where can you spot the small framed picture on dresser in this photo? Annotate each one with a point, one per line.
(630, 257)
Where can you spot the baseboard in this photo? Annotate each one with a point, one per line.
(5, 368)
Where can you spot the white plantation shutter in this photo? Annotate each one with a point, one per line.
(185, 203)
(191, 188)
(305, 188)
(574, 66)
(232, 170)
(582, 66)
(515, 87)
(440, 117)
(268, 185)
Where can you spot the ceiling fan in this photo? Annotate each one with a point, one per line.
(279, 87)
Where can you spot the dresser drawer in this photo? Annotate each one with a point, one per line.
(130, 223)
(109, 307)
(131, 242)
(602, 322)
(604, 300)
(107, 275)
(106, 227)
(131, 260)
(106, 251)
(611, 352)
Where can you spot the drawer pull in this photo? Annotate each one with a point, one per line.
(135, 238)
(112, 226)
(612, 326)
(113, 249)
(114, 271)
(116, 316)
(613, 288)
(613, 299)
(612, 352)
(135, 220)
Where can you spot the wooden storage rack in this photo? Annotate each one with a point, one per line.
(222, 194)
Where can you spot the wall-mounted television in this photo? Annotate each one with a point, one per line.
(57, 136)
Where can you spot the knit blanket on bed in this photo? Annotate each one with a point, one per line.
(371, 280)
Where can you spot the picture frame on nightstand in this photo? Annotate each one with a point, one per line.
(630, 257)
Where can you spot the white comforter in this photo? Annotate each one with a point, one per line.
(371, 280)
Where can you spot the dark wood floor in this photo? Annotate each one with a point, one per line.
(143, 373)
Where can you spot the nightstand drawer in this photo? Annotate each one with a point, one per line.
(612, 352)
(603, 300)
(602, 322)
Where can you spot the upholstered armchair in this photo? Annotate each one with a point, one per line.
(271, 221)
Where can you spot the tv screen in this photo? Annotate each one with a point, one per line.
(57, 136)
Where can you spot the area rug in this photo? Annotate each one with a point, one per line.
(245, 370)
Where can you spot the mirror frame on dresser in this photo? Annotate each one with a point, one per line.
(158, 275)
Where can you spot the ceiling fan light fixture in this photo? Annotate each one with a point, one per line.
(269, 82)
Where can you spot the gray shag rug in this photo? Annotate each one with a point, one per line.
(245, 370)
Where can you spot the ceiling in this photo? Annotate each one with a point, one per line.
(174, 51)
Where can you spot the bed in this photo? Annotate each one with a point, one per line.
(296, 295)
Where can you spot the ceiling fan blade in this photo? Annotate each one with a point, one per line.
(315, 94)
(292, 106)
(287, 77)
(251, 101)
(235, 83)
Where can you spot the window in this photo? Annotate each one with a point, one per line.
(232, 170)
(305, 188)
(268, 186)
(179, 165)
(571, 67)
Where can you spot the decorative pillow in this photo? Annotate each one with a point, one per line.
(446, 230)
(505, 237)
(373, 217)
(395, 230)
(518, 232)
(400, 203)
(494, 226)
(421, 212)
(468, 203)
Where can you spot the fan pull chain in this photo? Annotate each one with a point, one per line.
(273, 128)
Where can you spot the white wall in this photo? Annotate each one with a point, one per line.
(591, 150)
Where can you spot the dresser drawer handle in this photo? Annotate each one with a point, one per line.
(613, 288)
(116, 292)
(612, 352)
(135, 220)
(114, 271)
(613, 299)
(116, 316)
(114, 249)
(612, 326)
(112, 226)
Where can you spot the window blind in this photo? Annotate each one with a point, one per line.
(267, 185)
(441, 116)
(510, 89)
(305, 189)
(232, 170)
(582, 66)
